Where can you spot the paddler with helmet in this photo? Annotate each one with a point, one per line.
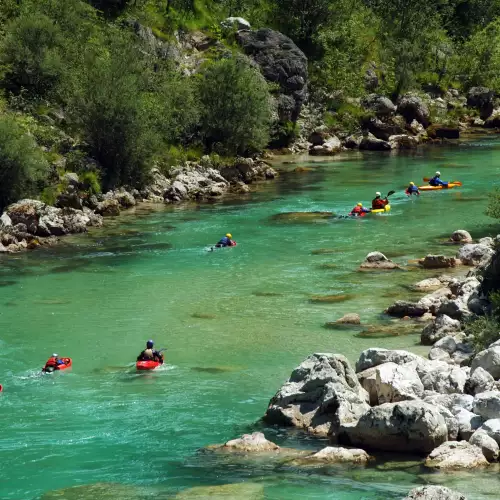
(379, 203)
(359, 210)
(436, 180)
(150, 354)
(412, 190)
(226, 241)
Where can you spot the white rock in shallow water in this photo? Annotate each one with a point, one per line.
(488, 445)
(321, 394)
(254, 442)
(454, 455)
(434, 493)
(407, 426)
(338, 454)
(487, 404)
(397, 383)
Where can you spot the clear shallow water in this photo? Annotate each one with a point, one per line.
(235, 321)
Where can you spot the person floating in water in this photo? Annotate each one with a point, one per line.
(436, 181)
(412, 189)
(226, 241)
(150, 354)
(359, 210)
(379, 203)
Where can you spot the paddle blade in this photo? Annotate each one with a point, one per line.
(458, 183)
(390, 192)
(427, 179)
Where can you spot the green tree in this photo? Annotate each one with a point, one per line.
(31, 54)
(301, 20)
(111, 101)
(22, 162)
(235, 107)
(493, 208)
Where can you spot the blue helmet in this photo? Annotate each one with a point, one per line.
(150, 344)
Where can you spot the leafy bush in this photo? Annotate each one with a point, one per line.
(485, 330)
(31, 54)
(90, 182)
(235, 107)
(493, 208)
(22, 163)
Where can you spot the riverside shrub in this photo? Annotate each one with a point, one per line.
(22, 163)
(235, 107)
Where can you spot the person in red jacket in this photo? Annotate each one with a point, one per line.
(359, 210)
(53, 363)
(378, 202)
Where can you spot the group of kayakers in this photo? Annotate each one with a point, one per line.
(379, 203)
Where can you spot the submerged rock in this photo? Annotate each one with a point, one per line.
(96, 491)
(349, 319)
(377, 260)
(321, 394)
(241, 491)
(322, 299)
(300, 217)
(434, 493)
(454, 455)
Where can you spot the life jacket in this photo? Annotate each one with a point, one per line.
(52, 362)
(357, 210)
(378, 203)
(434, 181)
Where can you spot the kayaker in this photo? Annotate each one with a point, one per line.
(412, 189)
(226, 241)
(54, 361)
(379, 203)
(436, 180)
(358, 210)
(150, 354)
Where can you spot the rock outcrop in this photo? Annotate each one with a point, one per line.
(412, 107)
(321, 395)
(281, 62)
(475, 254)
(454, 455)
(487, 404)
(377, 260)
(379, 104)
(489, 447)
(407, 426)
(441, 327)
(437, 262)
(248, 443)
(461, 236)
(481, 98)
(336, 454)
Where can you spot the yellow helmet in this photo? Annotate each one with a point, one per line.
(229, 235)
(412, 183)
(360, 204)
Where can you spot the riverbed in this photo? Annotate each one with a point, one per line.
(235, 322)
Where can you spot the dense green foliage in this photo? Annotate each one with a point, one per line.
(106, 67)
(485, 330)
(21, 161)
(493, 208)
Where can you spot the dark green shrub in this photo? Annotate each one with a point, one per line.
(485, 330)
(22, 163)
(493, 208)
(235, 107)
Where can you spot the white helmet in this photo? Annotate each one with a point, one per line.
(378, 193)
(438, 173)
(54, 355)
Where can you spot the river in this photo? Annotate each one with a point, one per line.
(235, 323)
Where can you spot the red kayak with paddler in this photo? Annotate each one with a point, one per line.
(55, 363)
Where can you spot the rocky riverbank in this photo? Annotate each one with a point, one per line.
(29, 224)
(444, 409)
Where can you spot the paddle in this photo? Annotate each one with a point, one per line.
(390, 193)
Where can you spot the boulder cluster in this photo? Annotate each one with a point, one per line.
(28, 224)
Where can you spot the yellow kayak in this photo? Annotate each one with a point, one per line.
(387, 208)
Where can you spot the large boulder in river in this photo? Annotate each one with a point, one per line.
(434, 493)
(475, 254)
(335, 454)
(482, 99)
(397, 383)
(488, 360)
(379, 104)
(407, 426)
(461, 236)
(437, 262)
(411, 107)
(281, 62)
(322, 394)
(402, 308)
(108, 208)
(376, 356)
(248, 443)
(455, 455)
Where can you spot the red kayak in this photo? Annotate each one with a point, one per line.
(1, 387)
(67, 363)
(147, 365)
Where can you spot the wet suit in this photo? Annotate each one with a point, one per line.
(436, 181)
(225, 242)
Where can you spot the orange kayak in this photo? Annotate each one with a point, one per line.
(451, 185)
(147, 365)
(67, 363)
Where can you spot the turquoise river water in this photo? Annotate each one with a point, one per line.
(235, 322)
